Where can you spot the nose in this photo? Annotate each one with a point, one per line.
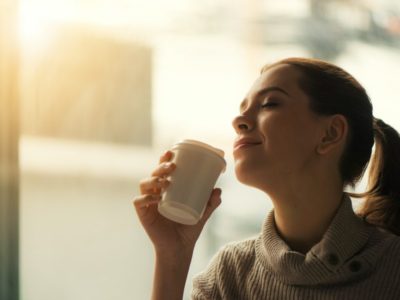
(242, 123)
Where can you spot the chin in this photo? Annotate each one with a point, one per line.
(245, 173)
(252, 175)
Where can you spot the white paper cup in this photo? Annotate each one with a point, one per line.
(198, 166)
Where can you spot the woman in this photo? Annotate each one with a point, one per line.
(304, 133)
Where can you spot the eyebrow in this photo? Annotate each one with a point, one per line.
(263, 92)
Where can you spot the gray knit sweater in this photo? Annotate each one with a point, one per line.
(354, 260)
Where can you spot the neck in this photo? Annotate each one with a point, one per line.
(302, 215)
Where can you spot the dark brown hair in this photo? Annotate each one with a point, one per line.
(334, 91)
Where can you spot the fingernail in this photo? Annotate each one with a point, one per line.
(167, 165)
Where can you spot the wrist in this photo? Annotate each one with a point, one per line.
(174, 257)
(170, 275)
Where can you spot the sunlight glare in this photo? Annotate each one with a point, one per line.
(33, 31)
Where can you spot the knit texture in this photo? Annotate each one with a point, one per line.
(353, 260)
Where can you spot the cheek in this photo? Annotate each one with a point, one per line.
(303, 144)
(289, 138)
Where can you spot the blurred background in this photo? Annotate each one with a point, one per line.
(107, 86)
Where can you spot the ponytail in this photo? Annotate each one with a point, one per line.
(382, 199)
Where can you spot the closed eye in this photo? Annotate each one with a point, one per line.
(269, 104)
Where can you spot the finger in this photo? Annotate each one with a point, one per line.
(166, 156)
(144, 201)
(164, 169)
(213, 203)
(153, 185)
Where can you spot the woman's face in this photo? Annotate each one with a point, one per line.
(283, 132)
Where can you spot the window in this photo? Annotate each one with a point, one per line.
(108, 86)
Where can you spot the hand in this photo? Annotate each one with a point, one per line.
(168, 237)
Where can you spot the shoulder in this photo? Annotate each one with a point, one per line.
(238, 251)
(225, 269)
(387, 249)
(392, 242)
(387, 264)
(233, 255)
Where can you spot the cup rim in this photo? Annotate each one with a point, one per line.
(217, 151)
(220, 153)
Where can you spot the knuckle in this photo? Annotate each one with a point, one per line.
(136, 200)
(155, 172)
(148, 197)
(142, 182)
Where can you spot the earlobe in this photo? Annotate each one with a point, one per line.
(334, 134)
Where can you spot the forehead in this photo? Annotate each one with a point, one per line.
(283, 76)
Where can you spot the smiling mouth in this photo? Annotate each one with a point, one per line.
(244, 146)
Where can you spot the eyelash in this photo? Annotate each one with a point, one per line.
(269, 104)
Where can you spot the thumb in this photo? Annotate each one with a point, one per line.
(213, 203)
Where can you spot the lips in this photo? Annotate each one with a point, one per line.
(245, 142)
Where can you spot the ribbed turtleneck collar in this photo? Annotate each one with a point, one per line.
(338, 257)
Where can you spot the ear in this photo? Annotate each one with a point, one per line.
(334, 134)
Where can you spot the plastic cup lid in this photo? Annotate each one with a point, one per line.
(217, 151)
